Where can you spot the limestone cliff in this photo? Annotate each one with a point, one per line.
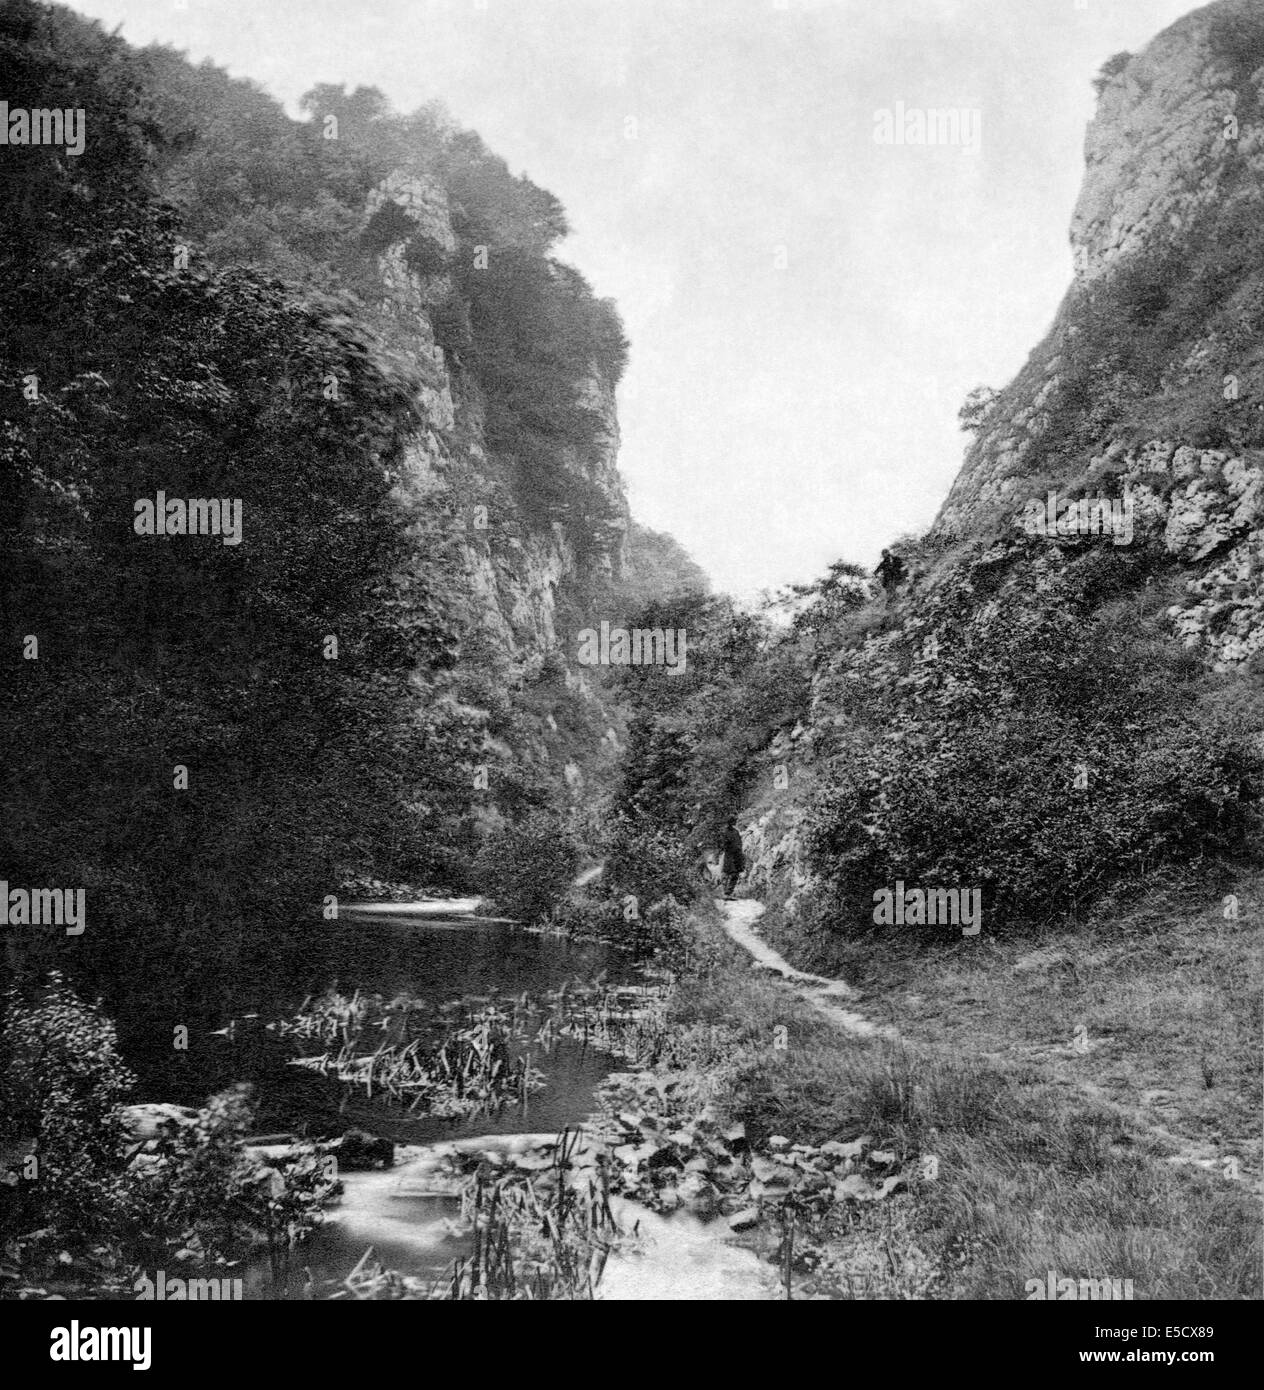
(447, 260)
(536, 563)
(1148, 384)
(1147, 394)
(514, 569)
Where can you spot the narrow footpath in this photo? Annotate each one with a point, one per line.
(740, 915)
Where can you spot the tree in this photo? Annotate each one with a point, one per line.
(978, 408)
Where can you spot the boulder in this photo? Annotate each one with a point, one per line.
(145, 1121)
(358, 1151)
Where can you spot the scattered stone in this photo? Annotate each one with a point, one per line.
(852, 1150)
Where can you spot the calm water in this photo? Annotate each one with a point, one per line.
(432, 961)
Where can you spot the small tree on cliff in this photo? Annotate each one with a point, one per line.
(977, 410)
(1111, 69)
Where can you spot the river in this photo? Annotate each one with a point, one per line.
(432, 960)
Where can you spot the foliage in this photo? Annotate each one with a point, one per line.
(647, 862)
(1237, 38)
(842, 590)
(260, 190)
(201, 1192)
(194, 306)
(394, 1050)
(541, 1232)
(528, 867)
(978, 406)
(1111, 68)
(62, 1084)
(658, 567)
(1014, 743)
(691, 734)
(305, 766)
(1124, 340)
(98, 1200)
(536, 335)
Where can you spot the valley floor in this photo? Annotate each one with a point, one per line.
(1085, 1103)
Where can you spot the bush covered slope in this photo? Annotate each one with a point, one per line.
(352, 326)
(1040, 716)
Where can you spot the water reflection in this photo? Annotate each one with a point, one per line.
(431, 960)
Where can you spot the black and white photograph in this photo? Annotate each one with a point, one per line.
(631, 670)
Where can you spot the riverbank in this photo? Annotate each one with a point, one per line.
(948, 1125)
(967, 1156)
(1086, 1102)
(715, 1190)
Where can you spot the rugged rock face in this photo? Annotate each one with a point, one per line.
(514, 570)
(532, 569)
(1156, 148)
(1146, 392)
(1175, 153)
(1214, 511)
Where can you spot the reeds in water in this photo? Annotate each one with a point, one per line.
(536, 1236)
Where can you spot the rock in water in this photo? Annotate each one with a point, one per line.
(358, 1151)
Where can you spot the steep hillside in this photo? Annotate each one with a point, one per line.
(1061, 696)
(1149, 384)
(448, 257)
(1006, 810)
(1064, 693)
(351, 329)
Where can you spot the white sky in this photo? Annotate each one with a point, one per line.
(807, 308)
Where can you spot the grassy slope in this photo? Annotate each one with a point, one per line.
(1049, 1156)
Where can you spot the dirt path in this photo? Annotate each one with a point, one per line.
(740, 915)
(1145, 1114)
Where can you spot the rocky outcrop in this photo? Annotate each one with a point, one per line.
(1174, 155)
(527, 571)
(1167, 122)
(1206, 506)
(1145, 393)
(514, 569)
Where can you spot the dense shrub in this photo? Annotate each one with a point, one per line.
(201, 1192)
(1030, 751)
(62, 1084)
(527, 868)
(647, 862)
(92, 1205)
(1110, 69)
(1237, 39)
(537, 335)
(691, 735)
